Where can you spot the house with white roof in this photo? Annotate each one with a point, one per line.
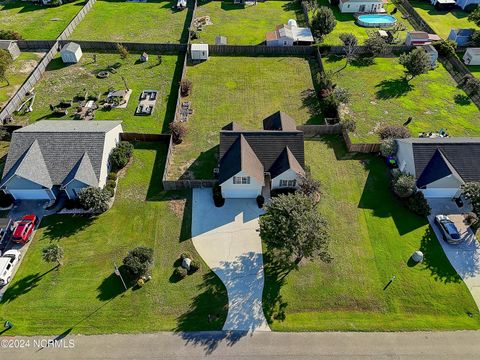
(289, 34)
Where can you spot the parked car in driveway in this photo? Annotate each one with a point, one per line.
(24, 229)
(6, 228)
(449, 231)
(7, 264)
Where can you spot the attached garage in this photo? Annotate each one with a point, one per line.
(40, 194)
(241, 192)
(440, 192)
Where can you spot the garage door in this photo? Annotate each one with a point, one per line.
(30, 194)
(242, 193)
(440, 192)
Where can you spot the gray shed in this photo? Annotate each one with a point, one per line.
(11, 47)
(71, 53)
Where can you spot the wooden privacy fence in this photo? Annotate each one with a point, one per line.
(145, 137)
(310, 131)
(361, 147)
(363, 50)
(187, 184)
(246, 50)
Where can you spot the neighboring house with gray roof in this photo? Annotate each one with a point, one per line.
(50, 157)
(440, 165)
(253, 161)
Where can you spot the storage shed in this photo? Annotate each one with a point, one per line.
(71, 53)
(432, 54)
(472, 56)
(199, 52)
(11, 47)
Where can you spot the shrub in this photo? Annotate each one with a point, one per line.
(404, 185)
(445, 47)
(178, 131)
(394, 132)
(110, 190)
(471, 218)
(138, 261)
(72, 204)
(180, 273)
(217, 196)
(122, 50)
(185, 87)
(471, 191)
(94, 198)
(194, 266)
(260, 201)
(111, 183)
(185, 255)
(6, 200)
(112, 176)
(476, 38)
(55, 3)
(10, 35)
(325, 84)
(388, 147)
(418, 204)
(120, 156)
(310, 187)
(350, 125)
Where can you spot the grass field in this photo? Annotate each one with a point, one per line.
(64, 82)
(84, 296)
(380, 95)
(475, 69)
(346, 24)
(17, 74)
(373, 237)
(442, 21)
(243, 90)
(36, 22)
(245, 25)
(153, 21)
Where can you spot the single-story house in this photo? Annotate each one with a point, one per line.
(431, 52)
(11, 47)
(464, 3)
(450, 4)
(254, 162)
(440, 165)
(289, 34)
(71, 53)
(49, 158)
(461, 36)
(420, 38)
(361, 6)
(199, 51)
(472, 56)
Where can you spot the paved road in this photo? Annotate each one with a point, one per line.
(227, 240)
(262, 345)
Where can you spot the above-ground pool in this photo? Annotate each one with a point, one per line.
(376, 20)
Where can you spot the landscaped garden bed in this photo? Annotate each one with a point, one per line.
(373, 237)
(244, 24)
(64, 83)
(381, 96)
(85, 296)
(152, 21)
(37, 22)
(244, 90)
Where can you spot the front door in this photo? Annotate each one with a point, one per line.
(361, 8)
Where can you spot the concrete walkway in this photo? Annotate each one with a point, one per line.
(440, 345)
(227, 240)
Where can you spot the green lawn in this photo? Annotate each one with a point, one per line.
(245, 25)
(373, 236)
(17, 74)
(380, 95)
(64, 82)
(244, 90)
(475, 69)
(153, 21)
(346, 24)
(442, 21)
(36, 22)
(84, 296)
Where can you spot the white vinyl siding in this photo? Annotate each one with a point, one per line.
(241, 190)
(288, 183)
(244, 180)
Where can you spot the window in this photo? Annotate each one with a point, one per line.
(243, 180)
(288, 183)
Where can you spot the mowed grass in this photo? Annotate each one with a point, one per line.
(36, 22)
(244, 90)
(84, 296)
(153, 21)
(17, 74)
(380, 95)
(442, 21)
(346, 24)
(245, 24)
(372, 239)
(64, 82)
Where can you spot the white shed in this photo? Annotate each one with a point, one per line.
(472, 56)
(71, 53)
(432, 54)
(11, 47)
(199, 51)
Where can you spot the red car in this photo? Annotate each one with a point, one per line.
(24, 229)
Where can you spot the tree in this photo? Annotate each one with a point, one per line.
(397, 28)
(476, 38)
(323, 22)
(443, 47)
(292, 224)
(404, 185)
(471, 191)
(178, 131)
(416, 62)
(120, 156)
(94, 198)
(10, 35)
(122, 50)
(350, 44)
(53, 253)
(310, 187)
(471, 83)
(375, 44)
(418, 204)
(325, 83)
(138, 261)
(475, 16)
(5, 63)
(185, 87)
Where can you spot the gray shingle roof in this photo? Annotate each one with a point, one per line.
(286, 160)
(437, 168)
(83, 171)
(63, 145)
(279, 121)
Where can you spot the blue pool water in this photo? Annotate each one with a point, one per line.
(376, 20)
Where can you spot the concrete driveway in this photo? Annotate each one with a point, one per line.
(228, 241)
(464, 257)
